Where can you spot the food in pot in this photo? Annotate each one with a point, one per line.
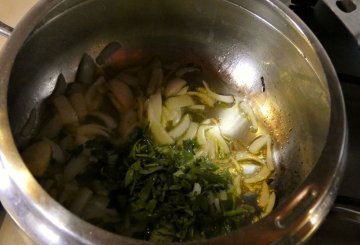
(144, 152)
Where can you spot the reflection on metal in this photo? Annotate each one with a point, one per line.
(245, 73)
(49, 234)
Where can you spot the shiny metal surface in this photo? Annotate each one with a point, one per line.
(239, 41)
(5, 30)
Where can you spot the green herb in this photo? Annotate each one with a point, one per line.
(169, 192)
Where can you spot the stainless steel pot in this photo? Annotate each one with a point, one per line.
(242, 41)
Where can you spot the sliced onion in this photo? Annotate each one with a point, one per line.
(123, 94)
(269, 160)
(160, 134)
(183, 91)
(200, 136)
(270, 204)
(65, 110)
(244, 156)
(165, 116)
(57, 152)
(258, 144)
(190, 132)
(245, 107)
(196, 189)
(178, 102)
(78, 102)
(260, 176)
(174, 86)
(155, 107)
(108, 120)
(181, 128)
(209, 101)
(76, 165)
(264, 195)
(37, 157)
(197, 107)
(175, 116)
(222, 147)
(222, 98)
(90, 131)
(81, 198)
(210, 148)
(92, 96)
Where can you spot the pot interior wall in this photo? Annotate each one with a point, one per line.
(237, 41)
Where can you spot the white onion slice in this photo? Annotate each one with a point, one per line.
(37, 157)
(181, 128)
(65, 110)
(78, 102)
(75, 166)
(89, 131)
(200, 136)
(260, 176)
(154, 107)
(177, 102)
(270, 204)
(160, 134)
(197, 107)
(264, 195)
(244, 156)
(215, 135)
(81, 198)
(183, 91)
(203, 97)
(108, 120)
(245, 107)
(174, 86)
(258, 144)
(196, 190)
(228, 99)
(57, 152)
(190, 132)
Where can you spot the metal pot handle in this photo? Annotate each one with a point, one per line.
(5, 30)
(348, 11)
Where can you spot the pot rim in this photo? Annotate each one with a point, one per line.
(294, 220)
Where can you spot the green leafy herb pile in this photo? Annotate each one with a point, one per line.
(165, 193)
